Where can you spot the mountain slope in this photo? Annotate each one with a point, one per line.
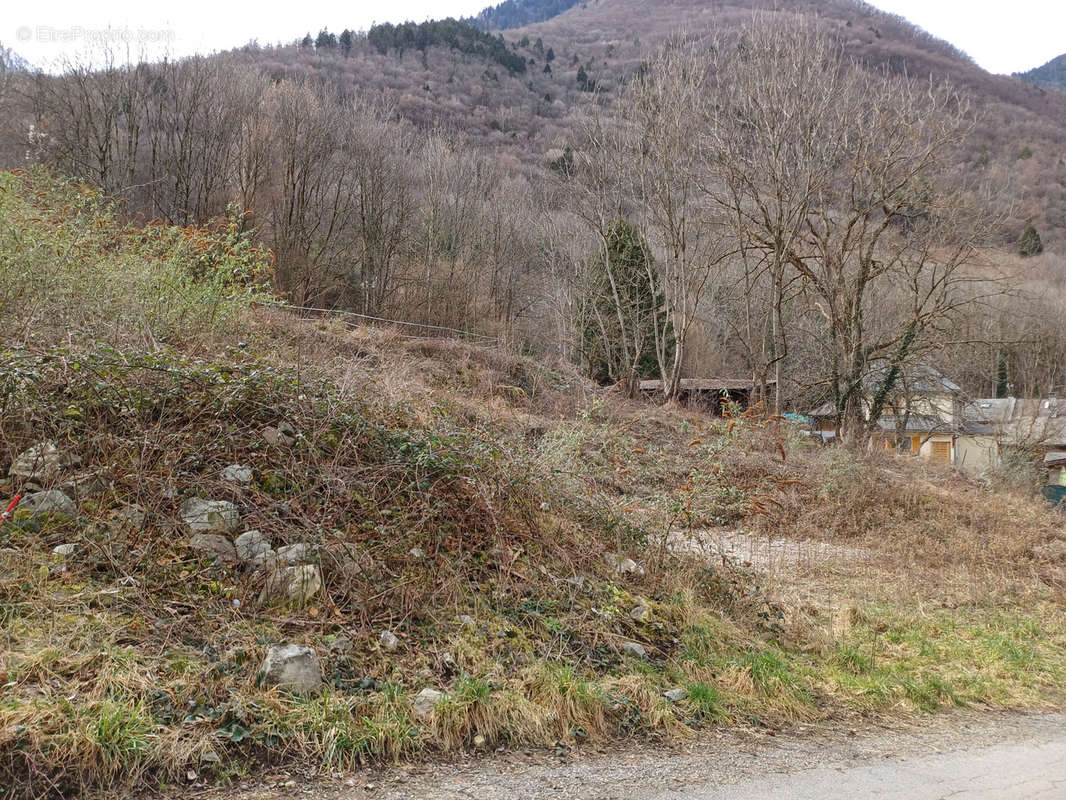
(1052, 74)
(516, 13)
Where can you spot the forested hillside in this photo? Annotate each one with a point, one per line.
(324, 436)
(516, 13)
(442, 174)
(1052, 74)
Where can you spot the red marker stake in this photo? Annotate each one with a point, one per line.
(10, 507)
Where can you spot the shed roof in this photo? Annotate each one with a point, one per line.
(703, 384)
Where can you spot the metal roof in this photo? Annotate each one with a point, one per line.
(703, 384)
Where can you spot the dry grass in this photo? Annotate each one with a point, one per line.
(134, 660)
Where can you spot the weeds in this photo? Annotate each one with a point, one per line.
(132, 660)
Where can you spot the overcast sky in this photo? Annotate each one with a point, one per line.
(1001, 36)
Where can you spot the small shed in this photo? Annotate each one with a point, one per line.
(710, 394)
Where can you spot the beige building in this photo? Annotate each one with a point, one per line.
(930, 417)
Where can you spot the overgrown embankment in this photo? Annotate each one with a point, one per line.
(430, 516)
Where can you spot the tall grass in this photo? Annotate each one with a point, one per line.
(70, 269)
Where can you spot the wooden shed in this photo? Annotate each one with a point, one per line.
(710, 394)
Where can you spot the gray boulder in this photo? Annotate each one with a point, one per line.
(131, 516)
(345, 561)
(675, 695)
(641, 611)
(282, 436)
(43, 463)
(87, 484)
(634, 649)
(292, 553)
(51, 501)
(425, 701)
(623, 566)
(214, 544)
(64, 550)
(252, 546)
(292, 667)
(389, 641)
(209, 516)
(237, 473)
(296, 585)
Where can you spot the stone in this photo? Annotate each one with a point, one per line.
(43, 462)
(634, 649)
(214, 544)
(131, 516)
(252, 546)
(480, 742)
(87, 484)
(624, 566)
(467, 621)
(292, 585)
(417, 553)
(292, 667)
(50, 501)
(340, 646)
(640, 612)
(345, 560)
(425, 701)
(67, 549)
(237, 473)
(282, 436)
(209, 516)
(675, 695)
(292, 553)
(389, 641)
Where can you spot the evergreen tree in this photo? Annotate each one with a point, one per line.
(346, 42)
(1002, 382)
(307, 42)
(1030, 244)
(624, 261)
(325, 40)
(582, 79)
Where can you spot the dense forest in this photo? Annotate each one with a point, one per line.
(516, 13)
(1052, 74)
(444, 33)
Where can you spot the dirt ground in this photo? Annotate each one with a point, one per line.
(718, 760)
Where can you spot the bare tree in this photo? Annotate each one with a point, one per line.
(668, 109)
(837, 177)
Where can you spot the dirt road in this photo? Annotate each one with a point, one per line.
(965, 756)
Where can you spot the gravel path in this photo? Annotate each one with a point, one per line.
(962, 755)
(776, 555)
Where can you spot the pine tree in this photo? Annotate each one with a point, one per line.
(1002, 376)
(626, 255)
(584, 83)
(1030, 244)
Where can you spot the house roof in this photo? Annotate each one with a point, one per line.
(921, 378)
(704, 384)
(1031, 420)
(930, 423)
